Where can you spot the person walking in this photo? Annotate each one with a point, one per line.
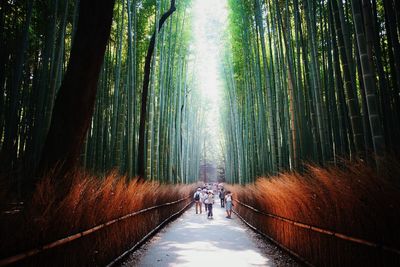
(222, 197)
(228, 204)
(204, 199)
(203, 195)
(210, 202)
(197, 200)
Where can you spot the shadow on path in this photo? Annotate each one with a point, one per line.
(194, 240)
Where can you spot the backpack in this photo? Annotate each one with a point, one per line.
(197, 196)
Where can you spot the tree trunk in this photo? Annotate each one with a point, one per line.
(352, 102)
(146, 80)
(74, 104)
(368, 75)
(8, 153)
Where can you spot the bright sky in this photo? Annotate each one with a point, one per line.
(209, 25)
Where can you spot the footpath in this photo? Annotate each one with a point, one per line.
(193, 240)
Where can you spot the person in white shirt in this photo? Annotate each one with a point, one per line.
(205, 195)
(228, 204)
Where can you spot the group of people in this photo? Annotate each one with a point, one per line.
(206, 196)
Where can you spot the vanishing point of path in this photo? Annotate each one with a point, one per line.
(193, 240)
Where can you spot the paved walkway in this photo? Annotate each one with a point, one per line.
(194, 240)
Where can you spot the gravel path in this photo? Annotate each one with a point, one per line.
(194, 240)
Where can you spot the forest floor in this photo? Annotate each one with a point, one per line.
(194, 240)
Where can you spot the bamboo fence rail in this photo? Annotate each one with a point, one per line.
(323, 231)
(68, 239)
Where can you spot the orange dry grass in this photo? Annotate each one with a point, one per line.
(351, 199)
(57, 211)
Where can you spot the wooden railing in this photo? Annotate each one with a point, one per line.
(326, 232)
(29, 253)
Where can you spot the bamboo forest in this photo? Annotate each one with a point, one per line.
(119, 119)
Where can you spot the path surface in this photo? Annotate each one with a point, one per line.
(194, 240)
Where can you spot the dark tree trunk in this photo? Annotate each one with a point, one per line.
(3, 59)
(74, 104)
(145, 90)
(384, 88)
(8, 154)
(352, 100)
(394, 50)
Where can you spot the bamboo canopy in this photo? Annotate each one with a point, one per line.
(303, 81)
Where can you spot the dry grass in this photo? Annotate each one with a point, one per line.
(351, 199)
(56, 211)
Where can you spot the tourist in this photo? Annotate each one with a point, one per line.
(203, 195)
(210, 202)
(228, 204)
(222, 197)
(197, 200)
(204, 200)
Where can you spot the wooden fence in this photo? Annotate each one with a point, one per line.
(316, 246)
(16, 259)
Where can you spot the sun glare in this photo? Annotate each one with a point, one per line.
(209, 26)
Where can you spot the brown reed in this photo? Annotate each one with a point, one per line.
(352, 199)
(57, 210)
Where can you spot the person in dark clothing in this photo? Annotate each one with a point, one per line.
(210, 202)
(222, 197)
(197, 200)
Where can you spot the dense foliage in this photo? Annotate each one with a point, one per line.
(304, 81)
(36, 39)
(310, 81)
